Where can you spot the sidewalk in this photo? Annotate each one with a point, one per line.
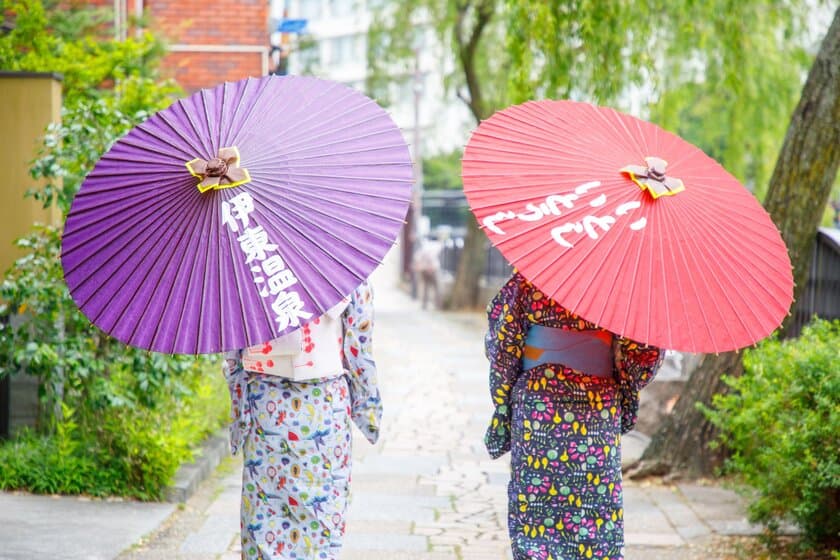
(426, 491)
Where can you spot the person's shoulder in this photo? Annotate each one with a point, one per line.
(517, 279)
(363, 293)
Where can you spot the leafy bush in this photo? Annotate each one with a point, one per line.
(132, 450)
(51, 36)
(113, 419)
(782, 425)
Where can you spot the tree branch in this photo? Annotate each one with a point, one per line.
(467, 48)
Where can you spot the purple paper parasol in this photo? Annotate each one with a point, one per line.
(236, 214)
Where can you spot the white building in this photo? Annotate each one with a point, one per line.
(339, 29)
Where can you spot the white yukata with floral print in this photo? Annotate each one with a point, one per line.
(295, 434)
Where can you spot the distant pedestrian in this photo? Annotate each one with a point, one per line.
(564, 391)
(427, 265)
(835, 207)
(292, 400)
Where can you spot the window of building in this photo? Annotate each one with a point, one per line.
(347, 49)
(310, 9)
(309, 56)
(342, 8)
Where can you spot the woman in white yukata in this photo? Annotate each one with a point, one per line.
(292, 402)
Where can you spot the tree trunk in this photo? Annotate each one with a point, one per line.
(467, 282)
(680, 445)
(799, 191)
(807, 166)
(466, 288)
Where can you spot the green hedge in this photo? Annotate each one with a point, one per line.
(128, 448)
(782, 425)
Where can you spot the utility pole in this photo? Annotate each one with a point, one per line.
(418, 142)
(416, 211)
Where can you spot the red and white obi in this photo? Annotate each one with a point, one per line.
(314, 351)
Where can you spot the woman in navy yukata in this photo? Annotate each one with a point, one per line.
(292, 401)
(564, 391)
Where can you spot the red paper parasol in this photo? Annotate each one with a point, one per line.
(628, 225)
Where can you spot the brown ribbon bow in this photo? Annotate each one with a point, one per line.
(221, 172)
(653, 179)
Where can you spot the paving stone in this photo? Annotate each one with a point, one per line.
(402, 464)
(653, 539)
(228, 501)
(380, 527)
(73, 528)
(655, 553)
(684, 520)
(428, 531)
(394, 485)
(396, 555)
(214, 537)
(385, 541)
(734, 527)
(373, 507)
(427, 490)
(450, 539)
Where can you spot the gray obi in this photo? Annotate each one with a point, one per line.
(589, 352)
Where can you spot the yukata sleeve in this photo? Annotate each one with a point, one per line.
(636, 365)
(504, 342)
(366, 403)
(240, 412)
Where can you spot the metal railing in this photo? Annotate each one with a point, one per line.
(496, 268)
(821, 296)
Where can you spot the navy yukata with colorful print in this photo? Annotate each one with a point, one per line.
(563, 428)
(296, 441)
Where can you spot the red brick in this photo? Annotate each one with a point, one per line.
(209, 22)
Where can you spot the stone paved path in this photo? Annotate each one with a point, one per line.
(427, 490)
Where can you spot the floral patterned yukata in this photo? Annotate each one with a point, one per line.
(296, 441)
(563, 429)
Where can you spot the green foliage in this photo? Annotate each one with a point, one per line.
(399, 28)
(754, 60)
(443, 171)
(113, 419)
(61, 41)
(579, 49)
(131, 451)
(86, 132)
(69, 20)
(782, 425)
(723, 74)
(108, 87)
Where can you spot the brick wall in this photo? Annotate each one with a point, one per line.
(195, 70)
(211, 41)
(222, 22)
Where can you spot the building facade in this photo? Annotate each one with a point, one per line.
(209, 41)
(431, 118)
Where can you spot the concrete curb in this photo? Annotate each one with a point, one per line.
(191, 475)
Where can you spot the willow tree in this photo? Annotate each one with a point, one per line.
(799, 189)
(471, 33)
(723, 74)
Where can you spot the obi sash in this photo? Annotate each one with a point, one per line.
(310, 352)
(589, 351)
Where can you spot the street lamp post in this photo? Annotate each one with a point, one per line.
(413, 220)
